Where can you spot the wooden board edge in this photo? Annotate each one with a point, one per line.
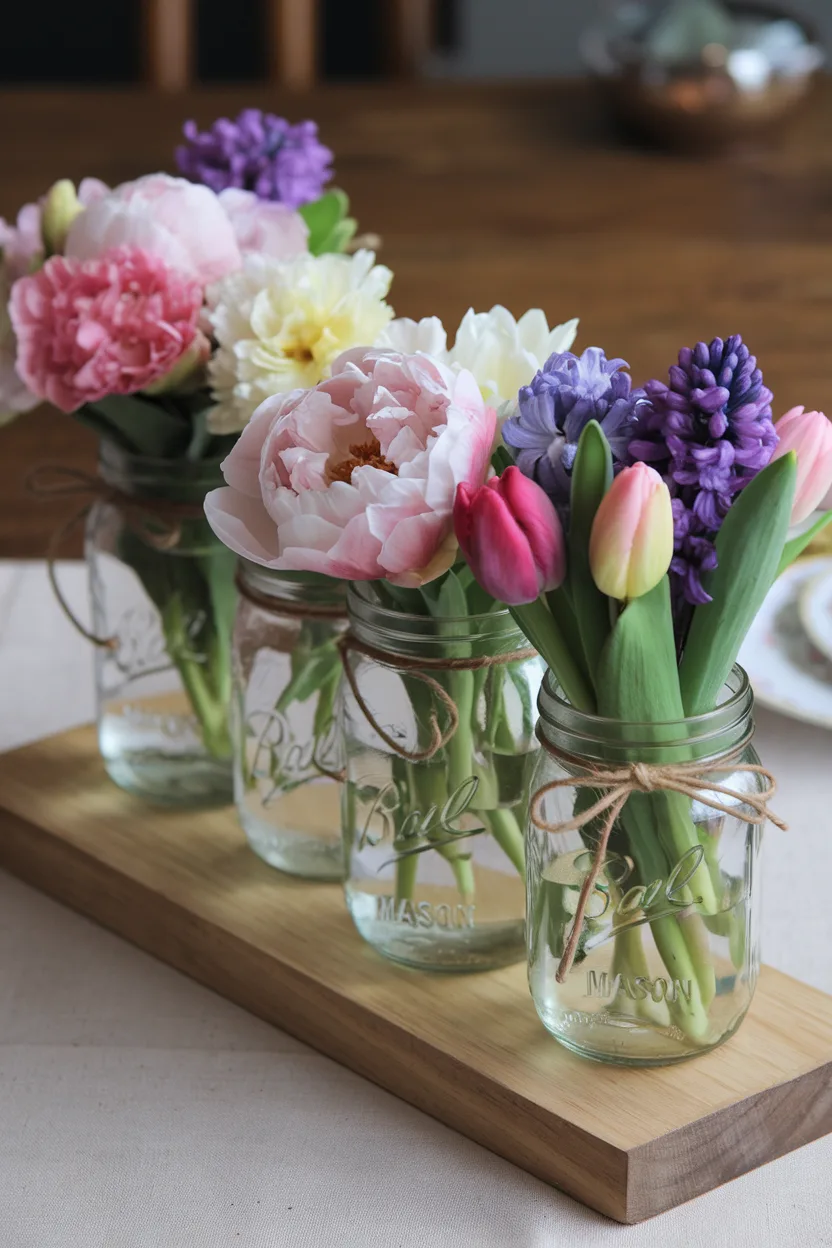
(716, 1149)
(515, 1128)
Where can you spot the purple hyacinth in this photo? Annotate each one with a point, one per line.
(709, 432)
(567, 393)
(258, 152)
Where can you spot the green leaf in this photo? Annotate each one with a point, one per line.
(311, 676)
(591, 478)
(147, 426)
(749, 547)
(501, 459)
(544, 633)
(795, 548)
(638, 680)
(330, 228)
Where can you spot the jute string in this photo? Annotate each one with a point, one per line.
(418, 668)
(617, 783)
(157, 521)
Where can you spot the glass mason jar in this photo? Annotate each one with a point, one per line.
(287, 748)
(668, 953)
(438, 724)
(163, 602)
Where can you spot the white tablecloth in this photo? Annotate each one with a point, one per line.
(138, 1110)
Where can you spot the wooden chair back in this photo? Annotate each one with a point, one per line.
(292, 33)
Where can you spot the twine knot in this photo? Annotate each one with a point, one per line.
(617, 783)
(642, 778)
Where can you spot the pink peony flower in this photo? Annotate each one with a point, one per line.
(263, 226)
(356, 478)
(181, 223)
(88, 329)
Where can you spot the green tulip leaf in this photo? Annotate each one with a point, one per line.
(749, 547)
(330, 227)
(795, 548)
(638, 680)
(591, 478)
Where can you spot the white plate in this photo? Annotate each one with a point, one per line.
(788, 672)
(816, 608)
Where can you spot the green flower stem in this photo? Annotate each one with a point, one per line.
(406, 871)
(207, 690)
(630, 961)
(506, 831)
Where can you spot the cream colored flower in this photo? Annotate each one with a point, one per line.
(280, 324)
(504, 354)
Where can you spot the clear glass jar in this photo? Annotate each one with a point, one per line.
(163, 602)
(668, 954)
(438, 761)
(287, 748)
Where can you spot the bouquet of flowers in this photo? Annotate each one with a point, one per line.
(635, 533)
(159, 313)
(355, 479)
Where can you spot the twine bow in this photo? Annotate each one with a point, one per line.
(692, 780)
(157, 521)
(417, 668)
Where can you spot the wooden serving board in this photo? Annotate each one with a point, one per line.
(468, 1050)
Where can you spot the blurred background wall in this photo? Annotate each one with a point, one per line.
(99, 40)
(523, 38)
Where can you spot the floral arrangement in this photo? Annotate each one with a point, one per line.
(355, 479)
(636, 535)
(160, 312)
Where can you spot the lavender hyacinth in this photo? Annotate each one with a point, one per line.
(709, 432)
(567, 393)
(258, 152)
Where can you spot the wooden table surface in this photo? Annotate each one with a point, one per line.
(518, 195)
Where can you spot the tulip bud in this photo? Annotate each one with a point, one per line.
(60, 208)
(809, 435)
(511, 536)
(186, 372)
(631, 544)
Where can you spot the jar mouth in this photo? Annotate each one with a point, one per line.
(138, 474)
(402, 632)
(595, 736)
(293, 588)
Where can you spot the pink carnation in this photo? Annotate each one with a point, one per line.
(356, 478)
(92, 328)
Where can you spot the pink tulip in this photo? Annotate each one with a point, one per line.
(631, 544)
(809, 435)
(512, 537)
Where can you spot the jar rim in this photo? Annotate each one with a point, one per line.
(293, 588)
(585, 733)
(404, 632)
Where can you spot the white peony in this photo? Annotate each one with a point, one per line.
(503, 354)
(280, 324)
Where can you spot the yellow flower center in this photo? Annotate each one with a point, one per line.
(361, 453)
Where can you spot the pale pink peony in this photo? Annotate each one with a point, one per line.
(356, 478)
(88, 329)
(260, 225)
(179, 222)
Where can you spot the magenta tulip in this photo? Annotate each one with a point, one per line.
(511, 536)
(631, 544)
(809, 435)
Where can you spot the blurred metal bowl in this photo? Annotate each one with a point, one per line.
(716, 94)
